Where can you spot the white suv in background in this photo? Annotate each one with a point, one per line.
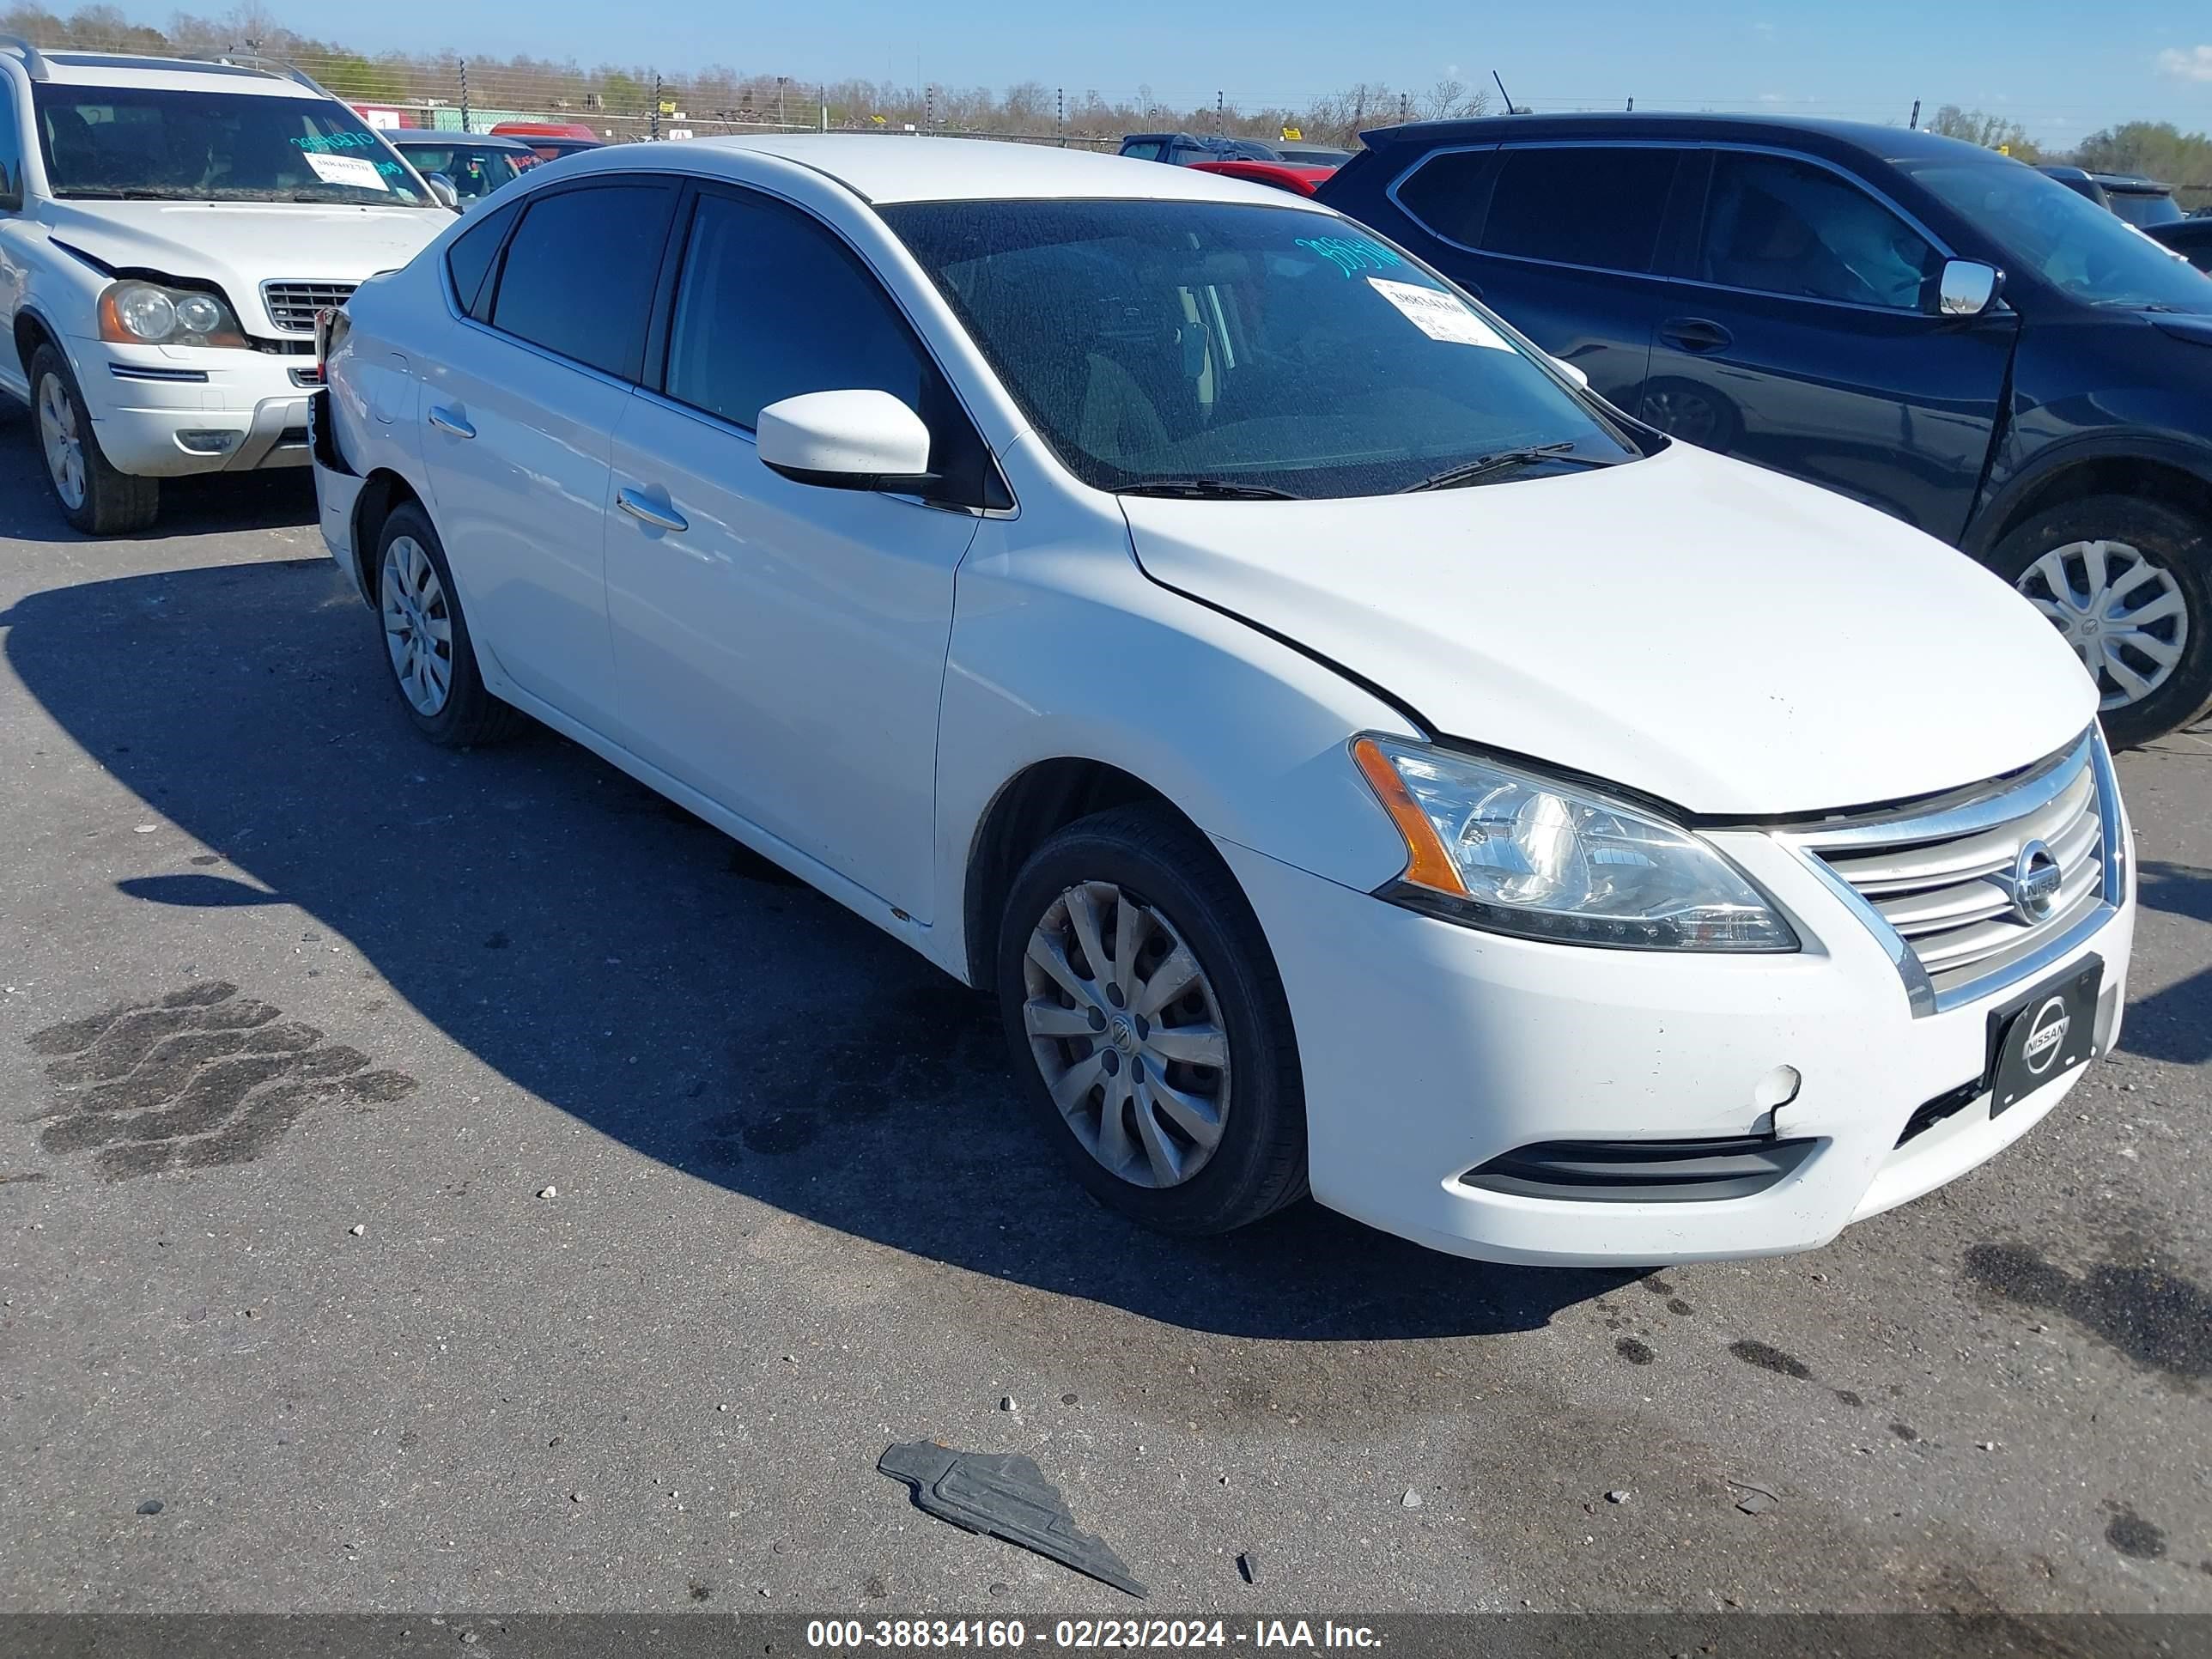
(169, 229)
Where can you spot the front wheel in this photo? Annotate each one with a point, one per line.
(1144, 1013)
(93, 496)
(2126, 582)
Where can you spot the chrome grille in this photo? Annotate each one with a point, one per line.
(1941, 881)
(292, 305)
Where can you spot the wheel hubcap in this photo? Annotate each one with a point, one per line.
(2125, 616)
(63, 442)
(418, 626)
(1127, 1034)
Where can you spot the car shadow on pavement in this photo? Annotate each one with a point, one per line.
(636, 968)
(276, 498)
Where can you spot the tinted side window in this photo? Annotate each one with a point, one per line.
(772, 306)
(1450, 193)
(468, 261)
(11, 151)
(579, 275)
(1590, 204)
(1142, 149)
(1779, 226)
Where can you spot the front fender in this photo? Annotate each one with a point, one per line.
(2027, 479)
(1067, 651)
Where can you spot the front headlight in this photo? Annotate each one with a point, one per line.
(1517, 852)
(146, 314)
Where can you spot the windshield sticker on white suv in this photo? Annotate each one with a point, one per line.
(357, 171)
(1439, 315)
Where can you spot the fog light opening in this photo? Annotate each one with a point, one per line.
(207, 442)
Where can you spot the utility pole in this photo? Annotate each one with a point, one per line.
(781, 81)
(929, 106)
(465, 95)
(825, 109)
(1217, 115)
(1404, 108)
(655, 128)
(1060, 115)
(1914, 122)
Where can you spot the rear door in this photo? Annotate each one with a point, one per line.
(1800, 334)
(1561, 239)
(518, 420)
(780, 646)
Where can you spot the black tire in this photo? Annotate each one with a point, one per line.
(1258, 1163)
(471, 717)
(114, 504)
(2181, 548)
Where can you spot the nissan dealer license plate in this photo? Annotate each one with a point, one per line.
(2040, 1038)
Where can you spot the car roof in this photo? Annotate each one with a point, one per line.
(404, 136)
(102, 69)
(1886, 143)
(899, 167)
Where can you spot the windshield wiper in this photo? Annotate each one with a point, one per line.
(1497, 461)
(1208, 489)
(126, 195)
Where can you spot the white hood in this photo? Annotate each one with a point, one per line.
(238, 245)
(1716, 635)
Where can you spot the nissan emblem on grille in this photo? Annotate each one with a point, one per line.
(2035, 881)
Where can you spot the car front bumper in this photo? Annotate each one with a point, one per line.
(174, 411)
(1430, 1049)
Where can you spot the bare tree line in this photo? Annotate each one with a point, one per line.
(632, 101)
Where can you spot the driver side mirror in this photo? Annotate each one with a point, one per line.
(1573, 371)
(846, 440)
(442, 191)
(1967, 287)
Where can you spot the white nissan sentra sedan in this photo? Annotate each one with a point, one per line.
(1359, 759)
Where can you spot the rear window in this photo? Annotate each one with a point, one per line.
(580, 273)
(1587, 205)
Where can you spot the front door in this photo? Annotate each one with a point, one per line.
(781, 646)
(1802, 340)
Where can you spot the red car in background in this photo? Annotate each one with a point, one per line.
(1298, 180)
(551, 140)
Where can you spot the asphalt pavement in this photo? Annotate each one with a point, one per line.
(557, 1209)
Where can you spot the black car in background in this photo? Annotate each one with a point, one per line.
(1930, 327)
(2143, 202)
(2190, 238)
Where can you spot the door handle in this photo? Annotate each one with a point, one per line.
(639, 506)
(445, 421)
(1694, 334)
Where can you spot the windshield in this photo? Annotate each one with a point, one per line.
(2065, 239)
(157, 144)
(1276, 348)
(477, 170)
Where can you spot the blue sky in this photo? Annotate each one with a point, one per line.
(2061, 71)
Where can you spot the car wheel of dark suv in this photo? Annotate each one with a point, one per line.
(2126, 582)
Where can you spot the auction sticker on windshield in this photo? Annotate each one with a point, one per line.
(1439, 315)
(357, 171)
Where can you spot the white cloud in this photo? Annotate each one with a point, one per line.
(2194, 64)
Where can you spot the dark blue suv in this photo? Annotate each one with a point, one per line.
(1928, 326)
